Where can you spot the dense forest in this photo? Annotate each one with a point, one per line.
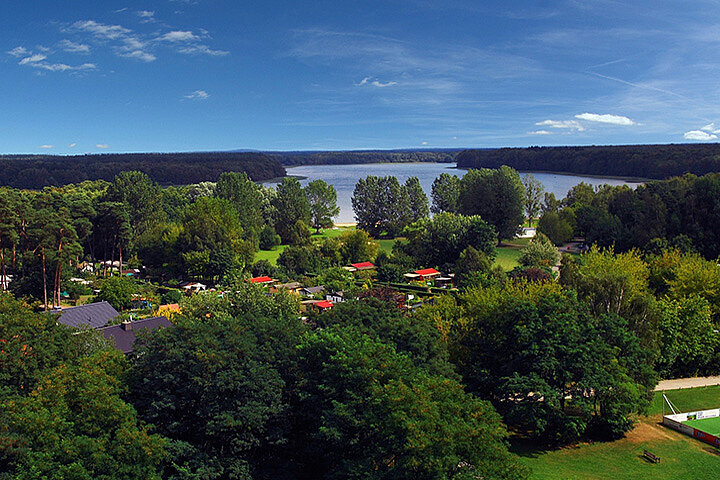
(641, 161)
(38, 171)
(364, 156)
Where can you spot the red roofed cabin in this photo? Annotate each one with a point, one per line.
(361, 266)
(426, 274)
(262, 280)
(324, 305)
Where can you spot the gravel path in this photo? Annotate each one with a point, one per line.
(687, 383)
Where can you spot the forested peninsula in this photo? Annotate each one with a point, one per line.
(38, 171)
(638, 161)
(364, 156)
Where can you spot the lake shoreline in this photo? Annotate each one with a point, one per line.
(344, 178)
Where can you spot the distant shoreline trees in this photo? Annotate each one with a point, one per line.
(636, 161)
(38, 171)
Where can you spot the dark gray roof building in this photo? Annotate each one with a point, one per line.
(125, 334)
(93, 315)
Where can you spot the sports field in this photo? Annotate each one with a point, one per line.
(706, 425)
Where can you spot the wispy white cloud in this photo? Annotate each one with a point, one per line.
(562, 124)
(423, 143)
(32, 59)
(101, 30)
(198, 95)
(146, 16)
(375, 83)
(699, 135)
(72, 145)
(73, 47)
(102, 145)
(178, 36)
(540, 132)
(202, 50)
(711, 128)
(139, 55)
(605, 118)
(46, 146)
(18, 52)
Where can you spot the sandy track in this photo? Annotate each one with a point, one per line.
(687, 383)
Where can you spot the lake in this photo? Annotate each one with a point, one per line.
(344, 178)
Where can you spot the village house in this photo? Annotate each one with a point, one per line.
(422, 275)
(92, 315)
(312, 291)
(293, 287)
(358, 267)
(192, 287)
(336, 297)
(125, 334)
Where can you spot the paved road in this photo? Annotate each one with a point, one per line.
(687, 383)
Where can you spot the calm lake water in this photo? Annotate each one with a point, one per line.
(344, 178)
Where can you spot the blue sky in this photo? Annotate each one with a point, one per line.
(181, 75)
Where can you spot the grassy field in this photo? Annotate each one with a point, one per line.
(682, 457)
(507, 253)
(707, 425)
(272, 255)
(688, 399)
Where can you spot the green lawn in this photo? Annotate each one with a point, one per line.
(688, 399)
(682, 457)
(270, 255)
(707, 425)
(386, 245)
(507, 257)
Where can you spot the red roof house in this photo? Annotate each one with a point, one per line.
(324, 305)
(362, 266)
(426, 273)
(262, 280)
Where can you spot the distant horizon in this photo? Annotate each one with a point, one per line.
(399, 149)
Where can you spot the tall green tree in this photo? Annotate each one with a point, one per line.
(323, 204)
(534, 194)
(418, 200)
(291, 204)
(142, 198)
(496, 195)
(381, 205)
(445, 193)
(245, 196)
(211, 241)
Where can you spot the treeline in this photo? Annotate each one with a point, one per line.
(364, 156)
(38, 171)
(639, 161)
(682, 212)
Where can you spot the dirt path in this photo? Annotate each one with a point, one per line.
(687, 383)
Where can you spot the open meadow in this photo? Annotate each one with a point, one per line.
(507, 253)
